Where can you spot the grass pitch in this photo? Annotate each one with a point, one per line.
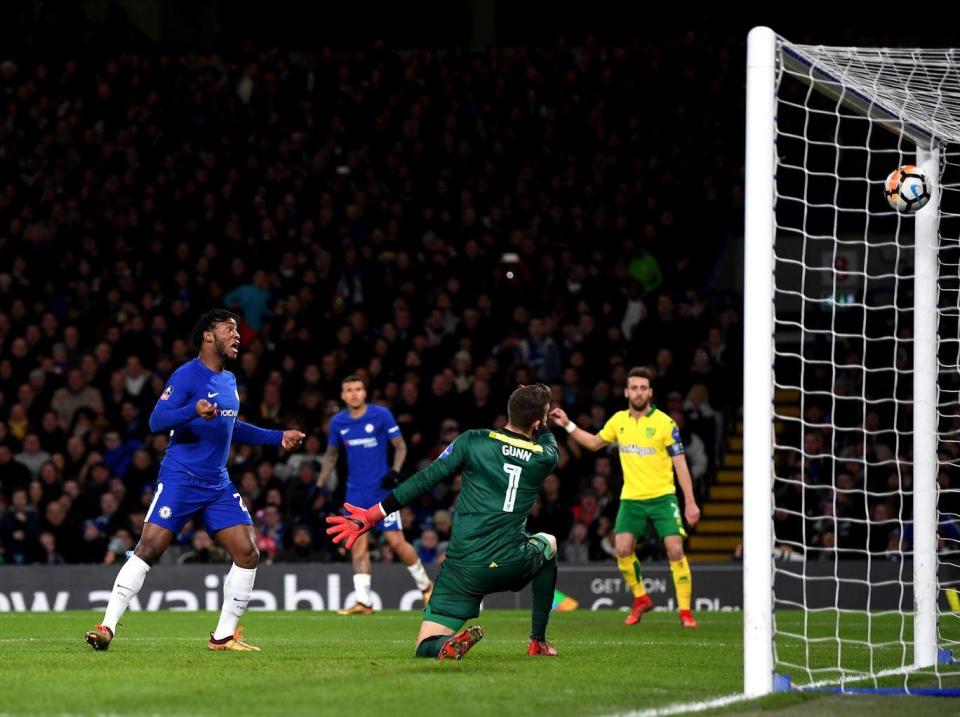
(319, 663)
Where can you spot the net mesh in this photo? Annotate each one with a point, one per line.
(844, 273)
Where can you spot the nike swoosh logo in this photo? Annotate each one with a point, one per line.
(211, 395)
(344, 431)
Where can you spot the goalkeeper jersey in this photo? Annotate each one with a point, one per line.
(502, 475)
(646, 445)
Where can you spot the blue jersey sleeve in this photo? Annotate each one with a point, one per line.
(251, 435)
(176, 406)
(390, 425)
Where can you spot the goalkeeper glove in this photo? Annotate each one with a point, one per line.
(391, 480)
(346, 529)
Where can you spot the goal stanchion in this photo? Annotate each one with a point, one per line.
(851, 412)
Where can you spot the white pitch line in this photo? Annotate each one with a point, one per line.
(685, 707)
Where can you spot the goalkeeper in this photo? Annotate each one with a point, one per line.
(489, 551)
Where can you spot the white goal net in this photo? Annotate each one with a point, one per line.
(855, 308)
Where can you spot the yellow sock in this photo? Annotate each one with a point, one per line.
(630, 569)
(682, 582)
(953, 599)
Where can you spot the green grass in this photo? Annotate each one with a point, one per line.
(317, 662)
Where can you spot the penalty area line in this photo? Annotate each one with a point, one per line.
(685, 707)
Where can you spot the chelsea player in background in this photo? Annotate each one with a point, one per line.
(199, 408)
(363, 429)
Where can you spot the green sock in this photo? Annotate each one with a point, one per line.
(543, 585)
(430, 646)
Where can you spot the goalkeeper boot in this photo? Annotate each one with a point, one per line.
(427, 593)
(539, 646)
(459, 645)
(687, 619)
(641, 605)
(234, 642)
(357, 608)
(99, 637)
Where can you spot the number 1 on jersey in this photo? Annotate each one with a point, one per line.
(512, 483)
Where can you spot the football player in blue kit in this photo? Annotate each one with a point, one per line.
(199, 407)
(363, 430)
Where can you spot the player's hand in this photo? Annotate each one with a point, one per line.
(559, 417)
(291, 439)
(692, 513)
(346, 529)
(206, 410)
(391, 480)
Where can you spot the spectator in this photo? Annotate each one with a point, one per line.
(32, 457)
(19, 528)
(74, 396)
(48, 549)
(301, 548)
(202, 550)
(576, 549)
(428, 547)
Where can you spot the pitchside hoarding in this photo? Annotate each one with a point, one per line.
(330, 587)
(326, 586)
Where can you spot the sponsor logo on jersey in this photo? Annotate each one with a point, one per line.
(638, 450)
(229, 412)
(166, 393)
(363, 442)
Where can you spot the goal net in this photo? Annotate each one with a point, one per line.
(852, 406)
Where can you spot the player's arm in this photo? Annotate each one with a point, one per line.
(674, 446)
(399, 453)
(175, 408)
(546, 439)
(327, 463)
(590, 441)
(251, 435)
(348, 528)
(392, 479)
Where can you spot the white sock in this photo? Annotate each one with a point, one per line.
(420, 576)
(236, 594)
(361, 588)
(125, 588)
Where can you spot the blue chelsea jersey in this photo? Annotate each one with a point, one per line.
(200, 447)
(365, 439)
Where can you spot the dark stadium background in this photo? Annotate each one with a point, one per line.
(495, 208)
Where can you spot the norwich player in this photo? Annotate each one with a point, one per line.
(649, 442)
(489, 551)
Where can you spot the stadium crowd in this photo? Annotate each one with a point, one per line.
(446, 224)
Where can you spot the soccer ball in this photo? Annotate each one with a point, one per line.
(907, 189)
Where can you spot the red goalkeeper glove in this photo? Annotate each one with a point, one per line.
(347, 528)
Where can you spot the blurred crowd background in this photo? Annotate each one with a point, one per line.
(448, 223)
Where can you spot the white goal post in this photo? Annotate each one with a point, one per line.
(851, 356)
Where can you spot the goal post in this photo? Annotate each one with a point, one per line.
(758, 363)
(851, 358)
